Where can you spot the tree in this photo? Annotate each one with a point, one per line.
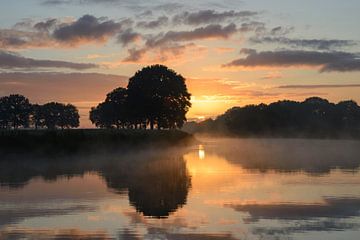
(14, 111)
(158, 95)
(113, 111)
(38, 116)
(60, 115)
(314, 117)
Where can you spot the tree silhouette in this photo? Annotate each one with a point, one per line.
(14, 111)
(313, 117)
(159, 96)
(113, 111)
(60, 115)
(155, 95)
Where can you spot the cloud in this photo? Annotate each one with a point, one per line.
(171, 52)
(209, 16)
(214, 31)
(161, 21)
(257, 27)
(320, 44)
(326, 61)
(59, 33)
(13, 39)
(46, 25)
(87, 29)
(167, 45)
(10, 60)
(61, 2)
(128, 36)
(320, 86)
(272, 75)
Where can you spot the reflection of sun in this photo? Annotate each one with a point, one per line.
(201, 152)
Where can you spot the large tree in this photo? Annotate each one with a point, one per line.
(158, 95)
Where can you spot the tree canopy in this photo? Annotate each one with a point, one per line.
(313, 117)
(16, 111)
(155, 96)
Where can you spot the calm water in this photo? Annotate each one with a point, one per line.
(221, 189)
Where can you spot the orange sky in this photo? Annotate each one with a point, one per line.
(231, 56)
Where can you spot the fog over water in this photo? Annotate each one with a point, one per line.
(220, 188)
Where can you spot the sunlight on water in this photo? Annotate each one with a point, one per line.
(221, 189)
(201, 151)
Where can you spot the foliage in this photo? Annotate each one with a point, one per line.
(155, 96)
(16, 111)
(113, 111)
(314, 117)
(60, 115)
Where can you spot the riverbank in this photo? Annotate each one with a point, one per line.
(87, 140)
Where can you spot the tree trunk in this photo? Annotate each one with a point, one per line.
(152, 124)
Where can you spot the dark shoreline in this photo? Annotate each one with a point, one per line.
(57, 142)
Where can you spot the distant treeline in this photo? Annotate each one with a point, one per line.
(314, 117)
(17, 112)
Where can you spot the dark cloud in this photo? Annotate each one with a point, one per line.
(128, 36)
(257, 27)
(87, 28)
(135, 55)
(161, 21)
(12, 38)
(321, 86)
(61, 2)
(209, 16)
(209, 31)
(169, 41)
(281, 30)
(331, 208)
(320, 44)
(55, 33)
(24, 24)
(327, 61)
(9, 60)
(46, 25)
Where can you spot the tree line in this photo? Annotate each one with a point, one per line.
(16, 111)
(313, 117)
(156, 96)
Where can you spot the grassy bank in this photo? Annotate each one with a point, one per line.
(87, 140)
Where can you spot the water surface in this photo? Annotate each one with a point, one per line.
(220, 189)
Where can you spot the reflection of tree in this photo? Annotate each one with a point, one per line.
(160, 187)
(157, 183)
(156, 187)
(290, 155)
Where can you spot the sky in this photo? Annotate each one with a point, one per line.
(231, 52)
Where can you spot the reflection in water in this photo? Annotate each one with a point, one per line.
(238, 189)
(156, 187)
(64, 234)
(157, 184)
(201, 152)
